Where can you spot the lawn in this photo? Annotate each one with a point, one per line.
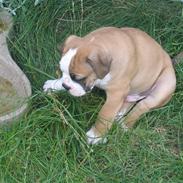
(49, 144)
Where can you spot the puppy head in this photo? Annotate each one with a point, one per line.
(82, 64)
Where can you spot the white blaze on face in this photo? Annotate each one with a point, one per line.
(66, 60)
(76, 89)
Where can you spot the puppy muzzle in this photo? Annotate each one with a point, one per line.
(66, 86)
(72, 87)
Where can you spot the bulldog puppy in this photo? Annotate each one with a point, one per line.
(128, 64)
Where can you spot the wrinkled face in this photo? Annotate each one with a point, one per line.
(78, 76)
(83, 62)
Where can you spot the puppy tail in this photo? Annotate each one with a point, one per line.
(177, 59)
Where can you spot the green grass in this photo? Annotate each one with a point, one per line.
(48, 144)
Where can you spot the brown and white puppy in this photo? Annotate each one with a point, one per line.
(125, 62)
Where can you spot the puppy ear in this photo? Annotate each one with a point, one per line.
(100, 62)
(71, 42)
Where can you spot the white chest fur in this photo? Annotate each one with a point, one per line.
(102, 83)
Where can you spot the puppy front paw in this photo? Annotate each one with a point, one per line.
(93, 138)
(48, 85)
(55, 84)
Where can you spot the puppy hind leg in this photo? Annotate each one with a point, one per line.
(126, 107)
(141, 107)
(159, 96)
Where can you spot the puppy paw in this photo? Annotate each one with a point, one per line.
(52, 85)
(124, 127)
(92, 138)
(48, 85)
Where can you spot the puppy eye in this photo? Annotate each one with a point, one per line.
(77, 77)
(72, 76)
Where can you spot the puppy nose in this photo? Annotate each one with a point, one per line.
(66, 86)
